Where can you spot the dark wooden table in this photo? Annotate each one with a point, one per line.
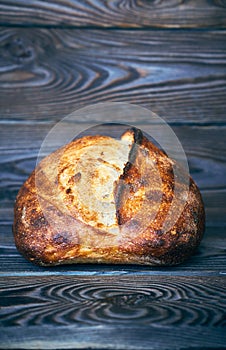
(168, 56)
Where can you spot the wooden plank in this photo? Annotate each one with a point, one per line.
(100, 13)
(208, 260)
(206, 155)
(48, 73)
(64, 300)
(108, 337)
(21, 142)
(120, 312)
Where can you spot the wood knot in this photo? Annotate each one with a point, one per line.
(20, 50)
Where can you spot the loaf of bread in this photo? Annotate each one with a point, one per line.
(106, 200)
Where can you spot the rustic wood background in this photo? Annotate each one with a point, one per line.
(168, 56)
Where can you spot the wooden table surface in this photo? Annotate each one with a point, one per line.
(169, 56)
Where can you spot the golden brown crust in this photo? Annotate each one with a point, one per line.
(114, 209)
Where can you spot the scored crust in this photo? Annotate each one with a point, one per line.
(102, 200)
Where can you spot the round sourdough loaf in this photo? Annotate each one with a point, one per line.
(105, 200)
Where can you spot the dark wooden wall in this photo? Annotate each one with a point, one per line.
(168, 56)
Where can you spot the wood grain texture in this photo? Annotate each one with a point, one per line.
(116, 13)
(122, 311)
(112, 337)
(209, 259)
(48, 73)
(154, 301)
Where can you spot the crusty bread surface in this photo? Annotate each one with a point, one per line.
(104, 200)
